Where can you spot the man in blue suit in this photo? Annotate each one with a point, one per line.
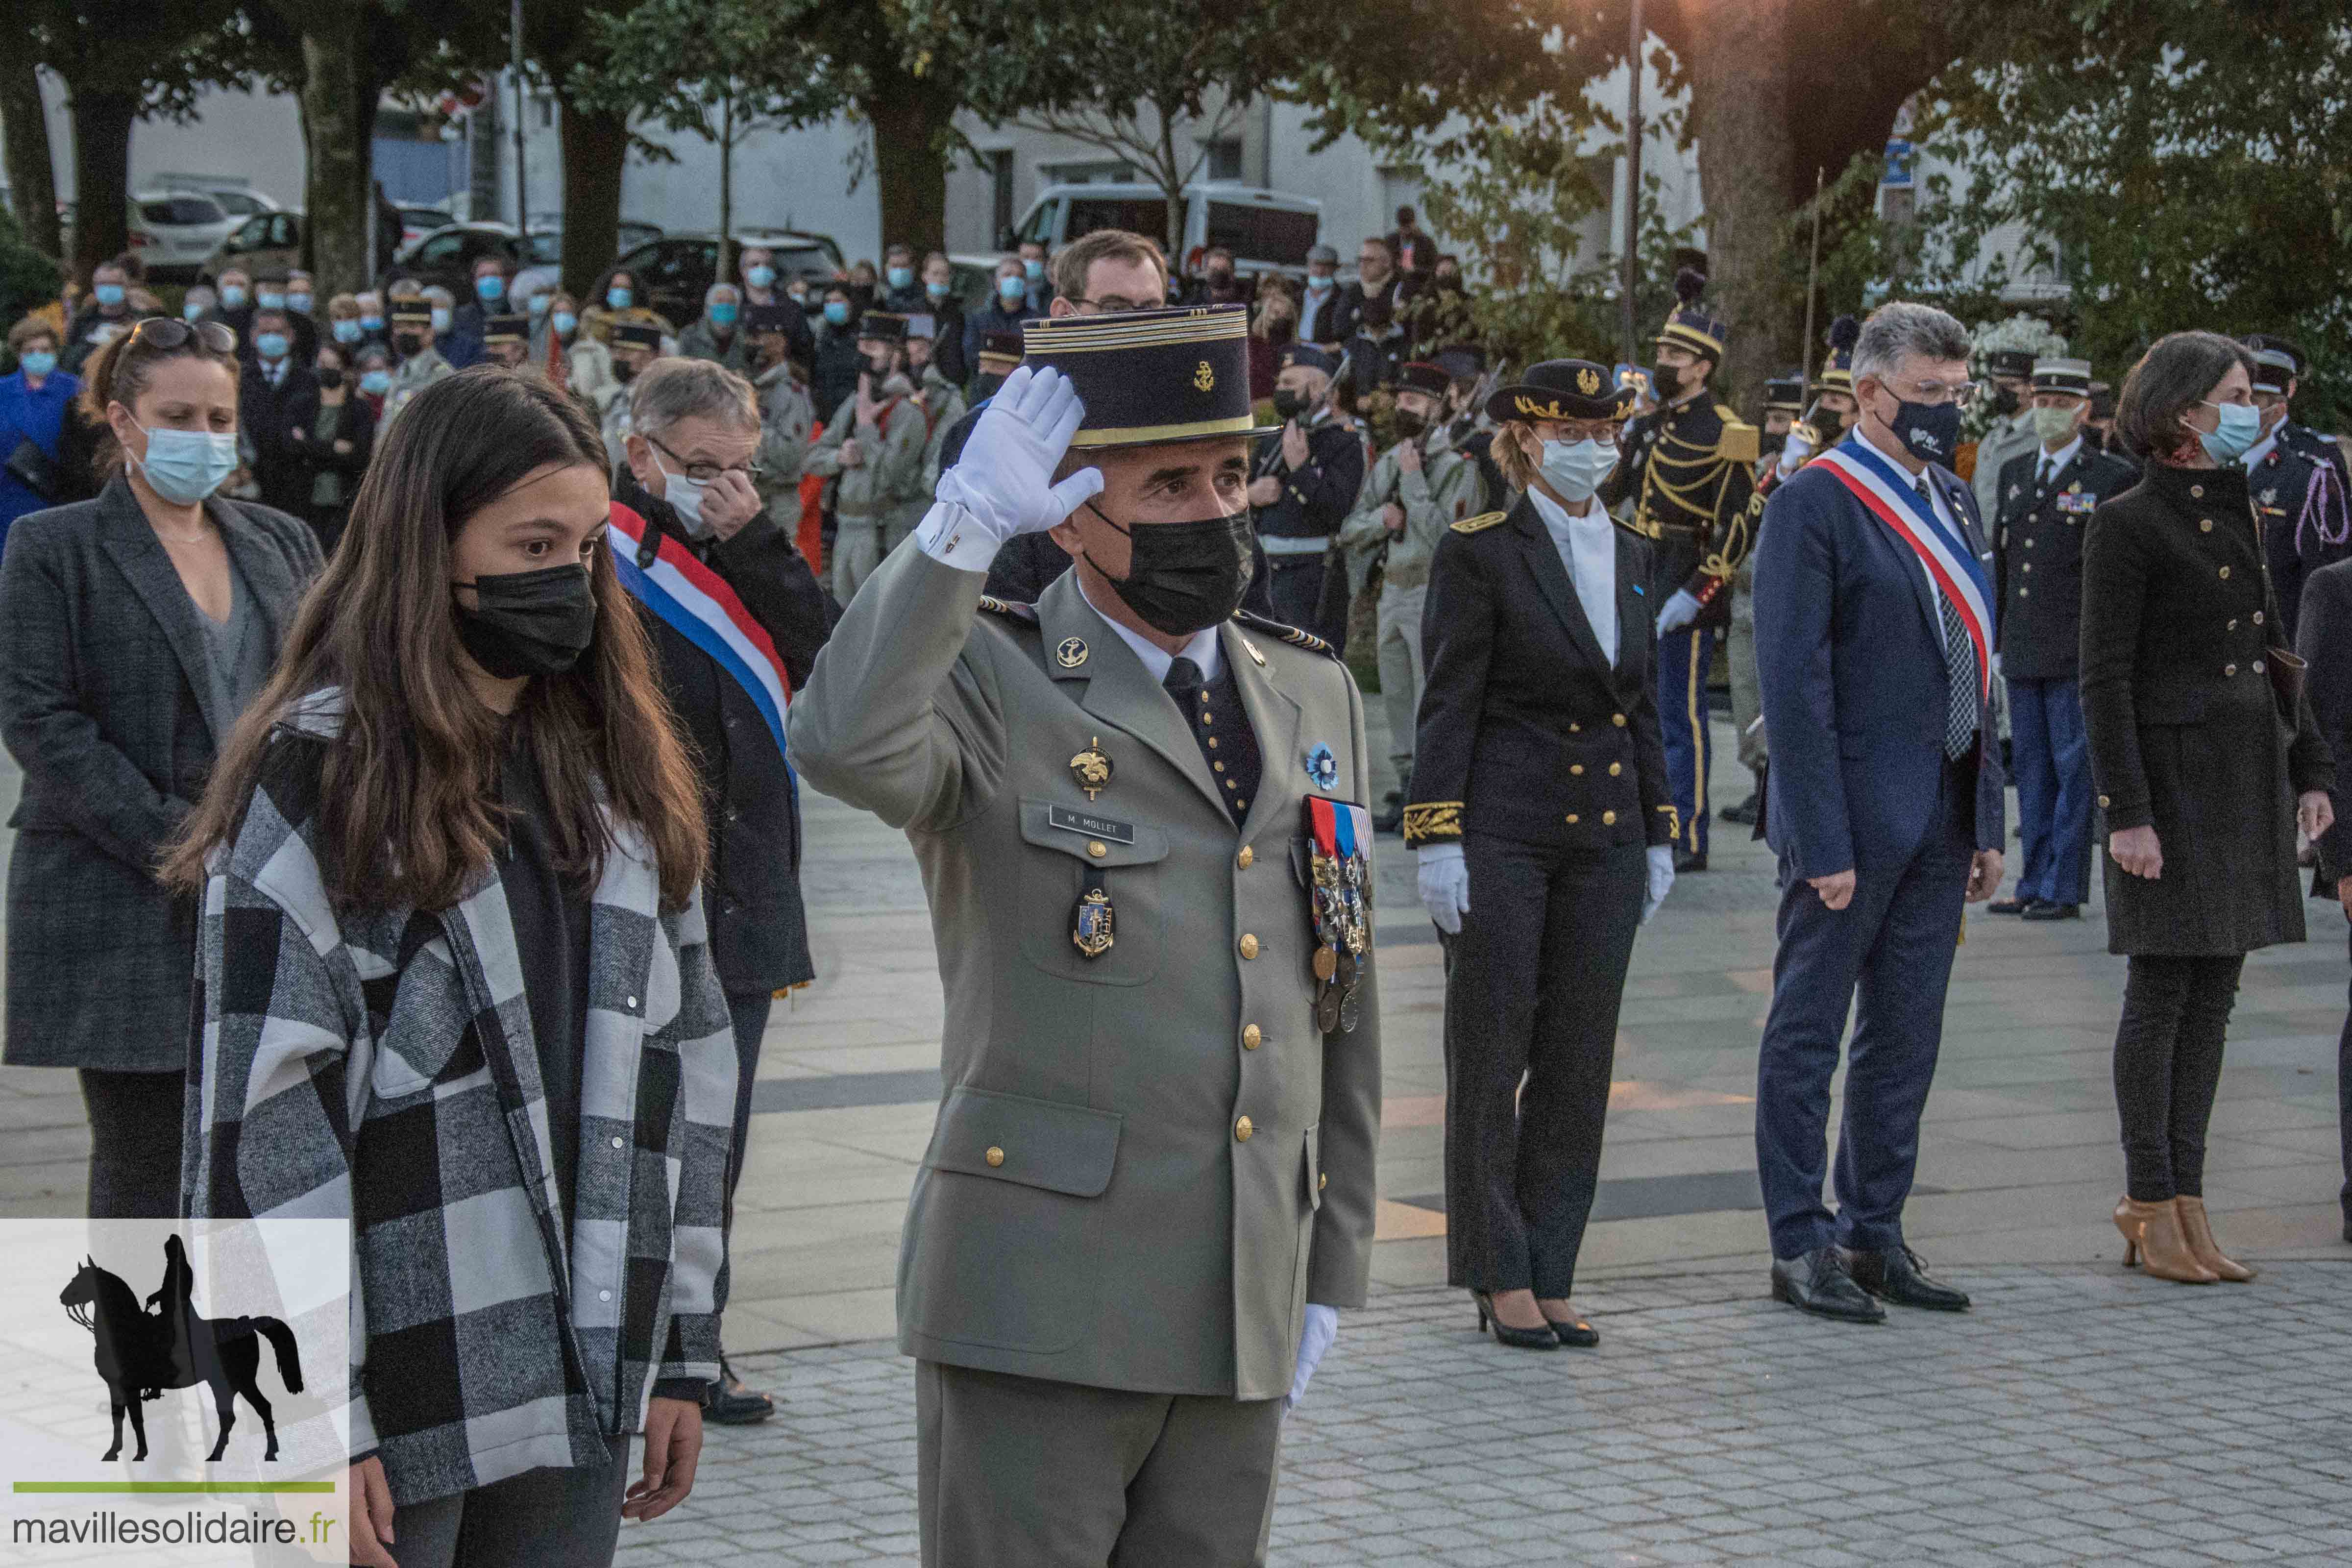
(1872, 647)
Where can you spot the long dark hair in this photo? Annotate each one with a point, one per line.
(2169, 381)
(407, 802)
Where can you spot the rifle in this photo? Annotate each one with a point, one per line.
(1812, 275)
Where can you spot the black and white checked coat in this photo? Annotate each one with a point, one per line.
(380, 1064)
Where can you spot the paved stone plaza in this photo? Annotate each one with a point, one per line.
(2079, 1413)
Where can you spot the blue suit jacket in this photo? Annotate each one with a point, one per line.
(1850, 657)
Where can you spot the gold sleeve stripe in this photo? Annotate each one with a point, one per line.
(1432, 819)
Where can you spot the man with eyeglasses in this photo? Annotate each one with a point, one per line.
(690, 484)
(1874, 632)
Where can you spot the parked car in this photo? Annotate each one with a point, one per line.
(674, 272)
(972, 279)
(237, 201)
(446, 256)
(1267, 231)
(174, 233)
(266, 240)
(415, 223)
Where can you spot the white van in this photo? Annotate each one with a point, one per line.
(1267, 231)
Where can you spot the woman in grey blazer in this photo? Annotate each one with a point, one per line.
(134, 630)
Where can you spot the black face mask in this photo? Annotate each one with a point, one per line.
(624, 371)
(1289, 405)
(1771, 443)
(530, 623)
(1665, 381)
(2004, 401)
(1183, 576)
(330, 379)
(1829, 425)
(1929, 433)
(409, 345)
(1407, 426)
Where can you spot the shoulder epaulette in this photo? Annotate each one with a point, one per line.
(1742, 442)
(1007, 607)
(1289, 634)
(1484, 520)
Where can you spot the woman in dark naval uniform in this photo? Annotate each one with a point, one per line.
(1544, 826)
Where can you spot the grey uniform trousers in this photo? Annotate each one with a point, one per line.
(1014, 1469)
(1402, 668)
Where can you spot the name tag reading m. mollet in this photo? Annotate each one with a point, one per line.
(1089, 826)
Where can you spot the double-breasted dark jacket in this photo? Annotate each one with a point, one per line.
(2038, 558)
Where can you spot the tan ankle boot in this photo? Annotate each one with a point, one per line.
(2197, 1231)
(2152, 1239)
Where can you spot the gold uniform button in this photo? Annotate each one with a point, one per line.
(1572, 819)
(1213, 743)
(1618, 720)
(1249, 945)
(1608, 819)
(1245, 858)
(2229, 669)
(2027, 567)
(2024, 592)
(1219, 766)
(1577, 769)
(1097, 848)
(1616, 768)
(1573, 726)
(1251, 1036)
(995, 1156)
(2204, 525)
(2196, 490)
(2103, 800)
(1242, 1130)
(2225, 573)
(1322, 1181)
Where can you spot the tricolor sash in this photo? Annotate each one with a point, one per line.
(696, 603)
(1880, 487)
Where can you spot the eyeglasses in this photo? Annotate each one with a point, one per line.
(1935, 394)
(1114, 304)
(166, 334)
(703, 473)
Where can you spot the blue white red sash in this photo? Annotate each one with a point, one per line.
(1880, 487)
(696, 603)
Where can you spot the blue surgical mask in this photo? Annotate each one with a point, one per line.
(107, 293)
(900, 276)
(1575, 468)
(936, 291)
(191, 311)
(565, 323)
(538, 304)
(1318, 284)
(837, 312)
(760, 277)
(300, 303)
(375, 383)
(1034, 269)
(270, 346)
(185, 465)
(617, 299)
(371, 323)
(722, 315)
(346, 331)
(1010, 289)
(232, 295)
(37, 363)
(489, 285)
(272, 299)
(2241, 427)
(440, 319)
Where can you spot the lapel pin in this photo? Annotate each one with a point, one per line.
(1072, 653)
(1091, 769)
(1322, 767)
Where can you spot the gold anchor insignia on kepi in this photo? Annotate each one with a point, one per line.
(1091, 769)
(1072, 653)
(1204, 377)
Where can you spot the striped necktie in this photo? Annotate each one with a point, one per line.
(1960, 719)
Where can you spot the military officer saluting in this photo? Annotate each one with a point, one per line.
(2299, 478)
(1690, 466)
(1142, 823)
(2046, 498)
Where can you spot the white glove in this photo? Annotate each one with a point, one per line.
(1004, 483)
(1661, 879)
(1322, 1327)
(1444, 885)
(1680, 611)
(1794, 453)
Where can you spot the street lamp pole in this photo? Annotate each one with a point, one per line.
(1632, 181)
(514, 47)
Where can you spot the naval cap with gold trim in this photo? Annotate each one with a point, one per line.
(1150, 378)
(1562, 389)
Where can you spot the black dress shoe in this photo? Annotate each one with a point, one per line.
(1685, 863)
(732, 1404)
(1574, 1333)
(1743, 813)
(1542, 1339)
(2044, 910)
(1818, 1283)
(2008, 906)
(1900, 1275)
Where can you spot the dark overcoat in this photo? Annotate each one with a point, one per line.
(106, 703)
(2178, 620)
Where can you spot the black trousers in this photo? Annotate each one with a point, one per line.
(1532, 988)
(2343, 1109)
(2168, 1067)
(134, 1143)
(1294, 583)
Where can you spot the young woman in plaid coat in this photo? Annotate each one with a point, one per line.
(454, 981)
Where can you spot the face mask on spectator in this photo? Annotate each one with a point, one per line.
(722, 314)
(410, 344)
(191, 310)
(760, 277)
(1012, 288)
(375, 383)
(489, 287)
(299, 302)
(270, 346)
(565, 322)
(900, 276)
(936, 291)
(330, 377)
(440, 319)
(2241, 427)
(371, 323)
(837, 312)
(618, 299)
(346, 331)
(272, 299)
(539, 304)
(108, 293)
(232, 295)
(185, 465)
(1034, 271)
(37, 363)
(1319, 285)
(797, 293)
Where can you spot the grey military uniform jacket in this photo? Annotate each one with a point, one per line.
(1448, 488)
(1092, 1209)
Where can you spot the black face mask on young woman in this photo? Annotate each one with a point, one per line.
(529, 623)
(1183, 576)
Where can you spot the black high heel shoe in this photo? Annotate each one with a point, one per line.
(1574, 1333)
(1542, 1339)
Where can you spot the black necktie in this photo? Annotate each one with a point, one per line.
(1960, 720)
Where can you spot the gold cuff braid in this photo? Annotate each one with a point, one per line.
(1673, 822)
(1433, 820)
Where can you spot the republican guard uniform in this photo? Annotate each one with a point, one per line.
(1161, 1048)
(2301, 484)
(1690, 466)
(2046, 499)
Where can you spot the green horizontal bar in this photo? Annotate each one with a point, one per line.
(84, 1487)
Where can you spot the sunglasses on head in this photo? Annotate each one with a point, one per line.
(167, 333)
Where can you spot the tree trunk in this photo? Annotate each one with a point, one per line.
(910, 119)
(336, 179)
(595, 151)
(1171, 188)
(32, 176)
(101, 128)
(1741, 120)
(726, 272)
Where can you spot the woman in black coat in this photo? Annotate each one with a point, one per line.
(2203, 767)
(134, 629)
(1543, 829)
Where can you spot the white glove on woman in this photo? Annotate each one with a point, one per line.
(1444, 885)
(1004, 483)
(1680, 611)
(1661, 878)
(1322, 1328)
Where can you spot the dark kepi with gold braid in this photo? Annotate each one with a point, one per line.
(1562, 389)
(1690, 327)
(1149, 378)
